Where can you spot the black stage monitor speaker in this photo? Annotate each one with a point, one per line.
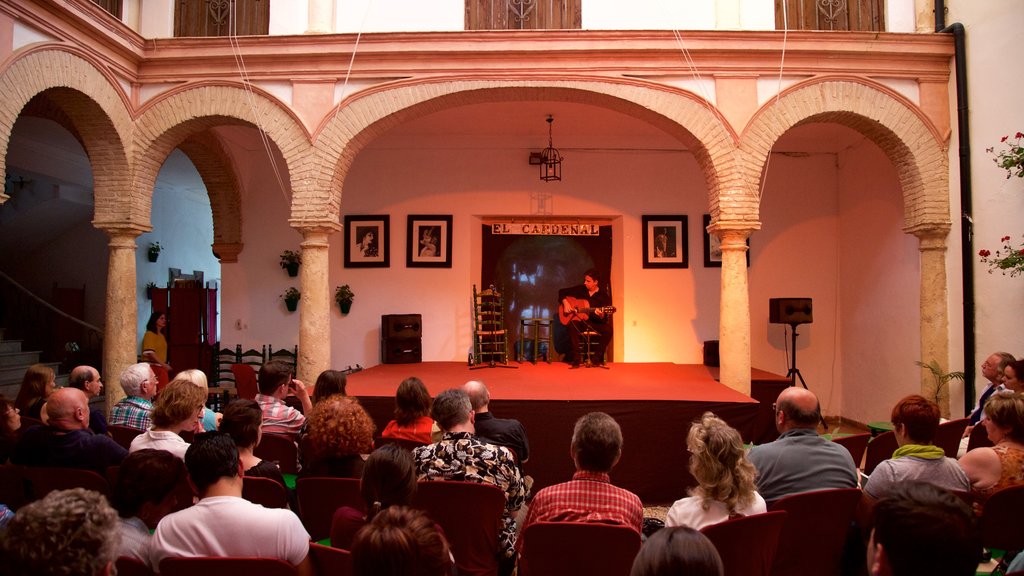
(401, 326)
(789, 311)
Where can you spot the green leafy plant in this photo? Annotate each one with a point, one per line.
(1011, 159)
(343, 294)
(292, 294)
(1008, 259)
(154, 249)
(290, 258)
(941, 378)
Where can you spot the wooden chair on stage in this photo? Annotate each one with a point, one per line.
(490, 338)
(747, 544)
(557, 548)
(815, 531)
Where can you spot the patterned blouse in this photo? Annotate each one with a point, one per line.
(132, 412)
(1012, 460)
(463, 457)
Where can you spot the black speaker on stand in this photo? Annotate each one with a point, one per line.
(792, 311)
(401, 338)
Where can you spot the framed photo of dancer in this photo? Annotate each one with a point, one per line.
(428, 242)
(367, 241)
(713, 247)
(664, 242)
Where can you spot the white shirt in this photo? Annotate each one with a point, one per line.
(160, 440)
(690, 512)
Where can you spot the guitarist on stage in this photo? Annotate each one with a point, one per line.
(584, 308)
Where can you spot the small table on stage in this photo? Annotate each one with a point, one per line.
(537, 333)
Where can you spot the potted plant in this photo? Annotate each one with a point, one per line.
(290, 261)
(149, 290)
(343, 296)
(291, 298)
(941, 379)
(153, 252)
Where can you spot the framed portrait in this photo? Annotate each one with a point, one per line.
(429, 241)
(367, 241)
(713, 247)
(664, 242)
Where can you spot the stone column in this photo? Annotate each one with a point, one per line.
(934, 312)
(315, 309)
(120, 331)
(734, 321)
(321, 20)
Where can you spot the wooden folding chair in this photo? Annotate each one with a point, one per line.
(319, 497)
(747, 544)
(558, 548)
(470, 515)
(815, 531)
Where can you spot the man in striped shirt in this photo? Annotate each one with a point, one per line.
(275, 384)
(590, 495)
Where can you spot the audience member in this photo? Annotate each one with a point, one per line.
(590, 496)
(87, 379)
(223, 523)
(676, 551)
(208, 419)
(67, 441)
(139, 383)
(36, 386)
(243, 420)
(67, 533)
(1002, 465)
(915, 421)
(401, 542)
(922, 529)
(275, 384)
(338, 433)
(800, 460)
(176, 410)
(505, 432)
(725, 478)
(143, 494)
(460, 455)
(991, 370)
(412, 413)
(10, 428)
(389, 479)
(1012, 374)
(329, 383)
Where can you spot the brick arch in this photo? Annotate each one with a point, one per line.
(894, 124)
(93, 105)
(211, 160)
(170, 120)
(370, 114)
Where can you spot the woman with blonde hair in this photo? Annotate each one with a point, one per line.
(36, 387)
(175, 410)
(1002, 465)
(725, 478)
(209, 418)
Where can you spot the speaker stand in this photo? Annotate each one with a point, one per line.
(794, 372)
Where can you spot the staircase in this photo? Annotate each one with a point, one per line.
(14, 362)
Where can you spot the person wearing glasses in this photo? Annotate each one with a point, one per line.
(139, 383)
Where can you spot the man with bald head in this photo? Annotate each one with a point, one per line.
(66, 440)
(87, 379)
(800, 460)
(506, 432)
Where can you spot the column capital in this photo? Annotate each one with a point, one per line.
(121, 235)
(312, 227)
(932, 237)
(227, 252)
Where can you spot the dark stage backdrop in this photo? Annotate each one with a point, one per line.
(532, 269)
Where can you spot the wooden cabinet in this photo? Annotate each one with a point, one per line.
(191, 325)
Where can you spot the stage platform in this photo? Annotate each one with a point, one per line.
(653, 402)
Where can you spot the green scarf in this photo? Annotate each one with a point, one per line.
(928, 452)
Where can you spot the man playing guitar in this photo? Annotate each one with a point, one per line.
(592, 312)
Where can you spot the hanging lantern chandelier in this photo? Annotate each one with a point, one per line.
(550, 159)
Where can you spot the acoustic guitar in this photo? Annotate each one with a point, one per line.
(582, 312)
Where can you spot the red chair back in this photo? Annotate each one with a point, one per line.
(856, 444)
(217, 566)
(123, 435)
(281, 449)
(245, 381)
(1001, 527)
(42, 481)
(747, 545)
(162, 377)
(949, 434)
(319, 497)
(400, 442)
(978, 439)
(879, 449)
(815, 532)
(264, 491)
(13, 490)
(128, 566)
(470, 515)
(332, 561)
(558, 548)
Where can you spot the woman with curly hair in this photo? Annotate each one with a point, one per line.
(338, 433)
(412, 406)
(36, 387)
(725, 478)
(175, 410)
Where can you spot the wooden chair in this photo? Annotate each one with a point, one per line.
(880, 448)
(1001, 526)
(285, 355)
(490, 342)
(279, 448)
(330, 561)
(978, 439)
(949, 434)
(264, 491)
(245, 381)
(123, 435)
(319, 497)
(219, 566)
(558, 548)
(747, 545)
(128, 566)
(856, 444)
(815, 531)
(470, 515)
(42, 481)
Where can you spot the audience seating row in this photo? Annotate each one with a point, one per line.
(326, 562)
